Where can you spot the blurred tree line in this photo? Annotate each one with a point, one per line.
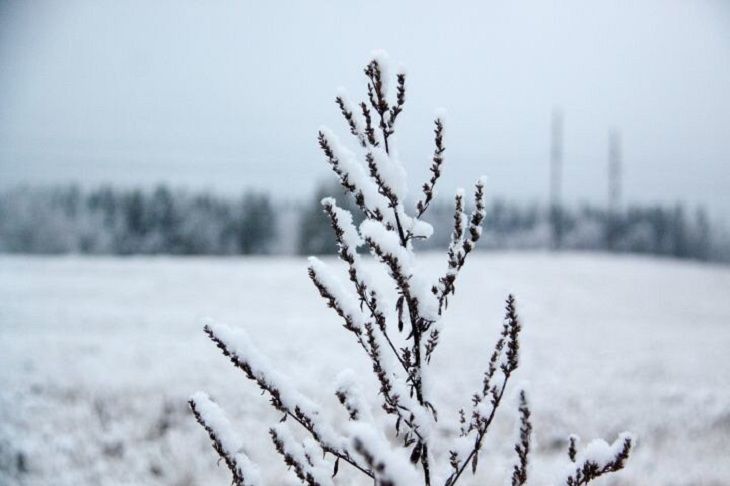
(654, 229)
(124, 222)
(164, 221)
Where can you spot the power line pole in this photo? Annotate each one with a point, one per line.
(556, 176)
(614, 187)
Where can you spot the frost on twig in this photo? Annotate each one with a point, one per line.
(597, 459)
(502, 363)
(463, 239)
(438, 159)
(390, 467)
(398, 326)
(307, 463)
(522, 447)
(225, 442)
(236, 345)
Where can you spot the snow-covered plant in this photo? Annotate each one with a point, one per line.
(398, 328)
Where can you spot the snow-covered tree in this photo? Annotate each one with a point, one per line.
(399, 338)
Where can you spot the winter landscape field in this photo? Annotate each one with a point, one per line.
(99, 355)
(518, 210)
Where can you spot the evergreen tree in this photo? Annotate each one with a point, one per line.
(258, 220)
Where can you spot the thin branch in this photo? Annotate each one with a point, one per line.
(457, 255)
(349, 116)
(590, 468)
(297, 414)
(348, 254)
(509, 338)
(435, 169)
(522, 448)
(234, 461)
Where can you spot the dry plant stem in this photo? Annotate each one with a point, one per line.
(463, 241)
(347, 255)
(350, 117)
(296, 415)
(389, 239)
(344, 179)
(480, 437)
(299, 468)
(590, 470)
(377, 99)
(376, 95)
(238, 479)
(437, 162)
(522, 448)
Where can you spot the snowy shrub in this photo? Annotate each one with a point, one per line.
(399, 339)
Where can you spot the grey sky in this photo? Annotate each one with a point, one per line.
(230, 94)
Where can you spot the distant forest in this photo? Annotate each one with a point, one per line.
(114, 221)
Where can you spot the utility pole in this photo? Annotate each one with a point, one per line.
(556, 176)
(614, 188)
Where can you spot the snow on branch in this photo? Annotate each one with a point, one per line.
(390, 467)
(404, 446)
(463, 240)
(236, 345)
(349, 114)
(350, 394)
(377, 93)
(502, 364)
(369, 130)
(348, 239)
(386, 245)
(310, 468)
(436, 162)
(400, 99)
(345, 232)
(337, 296)
(225, 441)
(389, 174)
(395, 395)
(353, 176)
(522, 447)
(597, 459)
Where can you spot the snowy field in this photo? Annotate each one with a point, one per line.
(98, 357)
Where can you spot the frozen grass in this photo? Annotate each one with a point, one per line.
(98, 357)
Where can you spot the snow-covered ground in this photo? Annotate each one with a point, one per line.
(98, 357)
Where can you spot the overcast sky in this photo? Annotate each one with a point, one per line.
(228, 95)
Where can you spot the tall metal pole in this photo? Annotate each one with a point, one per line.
(614, 187)
(556, 176)
(614, 171)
